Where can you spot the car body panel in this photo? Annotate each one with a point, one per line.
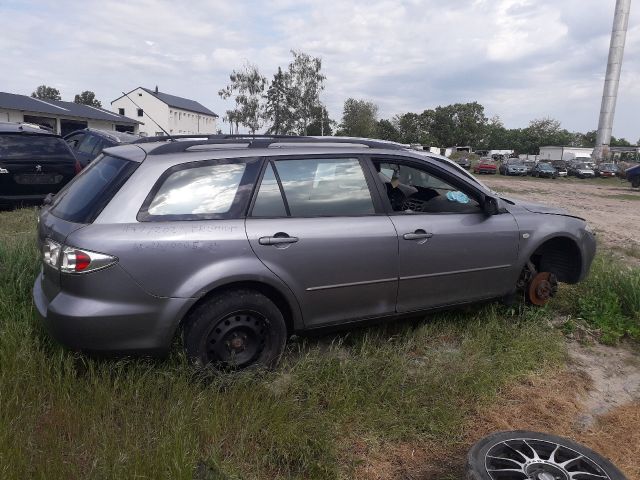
(465, 259)
(364, 250)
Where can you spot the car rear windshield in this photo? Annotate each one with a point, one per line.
(86, 196)
(26, 147)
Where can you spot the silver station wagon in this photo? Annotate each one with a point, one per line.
(236, 243)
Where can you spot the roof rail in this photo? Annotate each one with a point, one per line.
(258, 141)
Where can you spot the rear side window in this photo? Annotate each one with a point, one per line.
(85, 197)
(209, 189)
(325, 187)
(26, 147)
(269, 201)
(203, 190)
(89, 144)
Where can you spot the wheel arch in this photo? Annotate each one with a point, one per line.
(287, 305)
(560, 255)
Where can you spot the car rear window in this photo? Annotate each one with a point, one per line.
(85, 197)
(41, 147)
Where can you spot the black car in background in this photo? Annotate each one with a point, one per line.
(89, 142)
(33, 163)
(463, 162)
(542, 169)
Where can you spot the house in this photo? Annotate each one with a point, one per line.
(176, 115)
(61, 117)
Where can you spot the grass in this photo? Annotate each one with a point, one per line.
(622, 196)
(64, 415)
(609, 299)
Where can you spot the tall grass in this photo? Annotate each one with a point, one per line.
(64, 415)
(609, 299)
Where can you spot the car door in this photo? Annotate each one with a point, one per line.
(315, 224)
(450, 251)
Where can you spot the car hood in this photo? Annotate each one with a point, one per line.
(542, 208)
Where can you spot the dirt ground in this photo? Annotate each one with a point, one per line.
(594, 399)
(610, 206)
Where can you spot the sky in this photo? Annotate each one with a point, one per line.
(521, 59)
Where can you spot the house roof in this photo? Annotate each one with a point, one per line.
(177, 102)
(13, 101)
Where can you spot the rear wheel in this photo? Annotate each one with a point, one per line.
(635, 183)
(523, 455)
(235, 330)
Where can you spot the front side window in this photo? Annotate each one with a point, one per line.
(204, 190)
(325, 187)
(414, 190)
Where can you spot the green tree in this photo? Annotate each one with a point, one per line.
(278, 108)
(544, 131)
(359, 118)
(247, 87)
(88, 98)
(459, 124)
(386, 130)
(414, 127)
(321, 124)
(306, 83)
(43, 92)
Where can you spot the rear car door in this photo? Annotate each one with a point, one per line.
(450, 251)
(315, 223)
(33, 165)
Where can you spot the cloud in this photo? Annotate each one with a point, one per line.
(522, 59)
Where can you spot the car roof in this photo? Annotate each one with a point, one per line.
(190, 148)
(117, 137)
(25, 128)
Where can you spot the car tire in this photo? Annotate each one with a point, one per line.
(235, 330)
(635, 183)
(491, 451)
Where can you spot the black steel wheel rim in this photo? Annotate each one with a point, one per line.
(237, 340)
(535, 459)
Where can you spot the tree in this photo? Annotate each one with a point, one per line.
(359, 118)
(459, 124)
(386, 130)
(248, 86)
(88, 98)
(414, 127)
(544, 131)
(278, 108)
(304, 93)
(321, 124)
(43, 92)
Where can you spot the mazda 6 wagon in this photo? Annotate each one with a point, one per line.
(236, 243)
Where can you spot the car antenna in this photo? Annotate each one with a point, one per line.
(159, 126)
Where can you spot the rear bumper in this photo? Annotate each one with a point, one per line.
(144, 325)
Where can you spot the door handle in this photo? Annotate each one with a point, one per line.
(417, 235)
(278, 239)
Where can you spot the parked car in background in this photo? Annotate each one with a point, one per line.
(33, 163)
(581, 170)
(89, 142)
(485, 166)
(606, 170)
(464, 162)
(633, 175)
(529, 164)
(561, 167)
(238, 246)
(512, 166)
(543, 169)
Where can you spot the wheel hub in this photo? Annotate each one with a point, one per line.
(237, 340)
(542, 288)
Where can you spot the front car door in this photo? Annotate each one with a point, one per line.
(315, 223)
(450, 251)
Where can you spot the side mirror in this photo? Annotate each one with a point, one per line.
(490, 206)
(48, 200)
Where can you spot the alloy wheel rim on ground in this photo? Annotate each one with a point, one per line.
(535, 459)
(237, 340)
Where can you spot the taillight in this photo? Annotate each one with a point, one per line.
(75, 260)
(78, 167)
(51, 252)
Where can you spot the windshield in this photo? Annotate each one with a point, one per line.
(583, 166)
(545, 166)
